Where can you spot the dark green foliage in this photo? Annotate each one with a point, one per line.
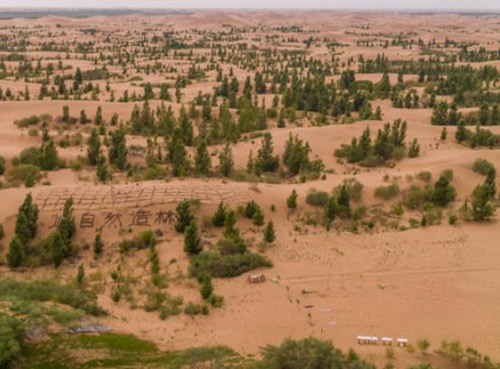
(291, 202)
(2, 165)
(414, 149)
(49, 158)
(266, 161)
(309, 353)
(118, 149)
(184, 216)
(98, 245)
(22, 230)
(155, 262)
(25, 230)
(226, 163)
(50, 290)
(226, 266)
(296, 155)
(57, 248)
(316, 198)
(482, 166)
(415, 196)
(192, 241)
(482, 207)
(444, 134)
(251, 208)
(80, 276)
(444, 192)
(207, 288)
(219, 216)
(103, 173)
(178, 157)
(258, 217)
(16, 254)
(269, 234)
(389, 144)
(12, 336)
(387, 192)
(343, 201)
(30, 210)
(66, 228)
(192, 309)
(94, 147)
(202, 158)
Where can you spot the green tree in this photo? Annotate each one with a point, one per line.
(226, 163)
(118, 149)
(251, 208)
(155, 260)
(180, 164)
(98, 245)
(414, 149)
(94, 147)
(482, 207)
(291, 202)
(296, 155)
(202, 158)
(192, 240)
(229, 224)
(331, 210)
(184, 216)
(16, 254)
(80, 276)
(267, 162)
(83, 117)
(423, 344)
(66, 228)
(12, 336)
(207, 288)
(219, 216)
(22, 230)
(185, 127)
(98, 120)
(103, 173)
(49, 158)
(258, 217)
(444, 134)
(440, 114)
(29, 224)
(444, 192)
(57, 248)
(269, 234)
(462, 133)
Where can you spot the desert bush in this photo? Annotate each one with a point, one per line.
(424, 176)
(53, 291)
(316, 198)
(31, 155)
(145, 239)
(24, 172)
(387, 192)
(226, 266)
(482, 166)
(416, 196)
(11, 340)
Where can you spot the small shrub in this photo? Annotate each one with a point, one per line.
(387, 192)
(482, 166)
(317, 198)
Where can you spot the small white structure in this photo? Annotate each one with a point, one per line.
(367, 340)
(386, 341)
(258, 278)
(402, 342)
